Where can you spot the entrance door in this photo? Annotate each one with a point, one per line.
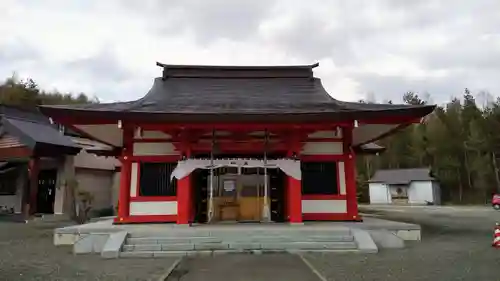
(251, 194)
(46, 191)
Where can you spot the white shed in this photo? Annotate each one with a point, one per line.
(404, 186)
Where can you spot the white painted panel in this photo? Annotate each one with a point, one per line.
(133, 179)
(109, 133)
(341, 175)
(153, 135)
(324, 206)
(379, 193)
(154, 148)
(326, 134)
(368, 132)
(420, 192)
(153, 208)
(312, 148)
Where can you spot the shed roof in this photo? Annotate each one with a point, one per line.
(196, 93)
(35, 131)
(402, 176)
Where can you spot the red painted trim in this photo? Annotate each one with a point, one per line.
(156, 158)
(329, 217)
(125, 175)
(322, 157)
(294, 186)
(146, 219)
(184, 202)
(324, 140)
(148, 140)
(244, 126)
(350, 176)
(240, 147)
(323, 197)
(33, 171)
(153, 198)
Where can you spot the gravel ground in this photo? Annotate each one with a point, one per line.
(27, 253)
(455, 246)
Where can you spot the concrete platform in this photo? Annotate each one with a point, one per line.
(155, 240)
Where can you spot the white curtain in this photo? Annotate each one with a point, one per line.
(185, 167)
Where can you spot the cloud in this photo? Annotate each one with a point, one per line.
(109, 48)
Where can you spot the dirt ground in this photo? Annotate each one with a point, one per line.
(456, 245)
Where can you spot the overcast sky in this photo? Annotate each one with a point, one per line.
(109, 48)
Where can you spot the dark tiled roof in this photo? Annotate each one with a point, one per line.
(218, 91)
(402, 176)
(33, 129)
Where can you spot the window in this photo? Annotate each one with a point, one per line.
(155, 179)
(319, 178)
(8, 181)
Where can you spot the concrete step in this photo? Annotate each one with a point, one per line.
(239, 246)
(250, 239)
(159, 254)
(223, 233)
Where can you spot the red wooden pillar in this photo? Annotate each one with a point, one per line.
(350, 176)
(184, 194)
(294, 190)
(33, 169)
(125, 176)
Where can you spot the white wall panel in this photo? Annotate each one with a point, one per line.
(154, 148)
(341, 175)
(315, 148)
(379, 193)
(324, 206)
(152, 135)
(326, 134)
(133, 179)
(109, 133)
(153, 208)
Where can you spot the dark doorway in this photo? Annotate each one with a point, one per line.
(200, 195)
(277, 194)
(46, 191)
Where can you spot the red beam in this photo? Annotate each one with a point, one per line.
(153, 198)
(244, 126)
(147, 219)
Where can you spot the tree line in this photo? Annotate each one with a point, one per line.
(459, 141)
(26, 93)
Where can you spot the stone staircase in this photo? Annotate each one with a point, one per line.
(192, 242)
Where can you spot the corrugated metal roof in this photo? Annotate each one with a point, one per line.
(402, 176)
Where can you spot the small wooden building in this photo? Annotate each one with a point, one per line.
(38, 157)
(404, 186)
(237, 143)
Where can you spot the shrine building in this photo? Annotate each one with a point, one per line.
(210, 144)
